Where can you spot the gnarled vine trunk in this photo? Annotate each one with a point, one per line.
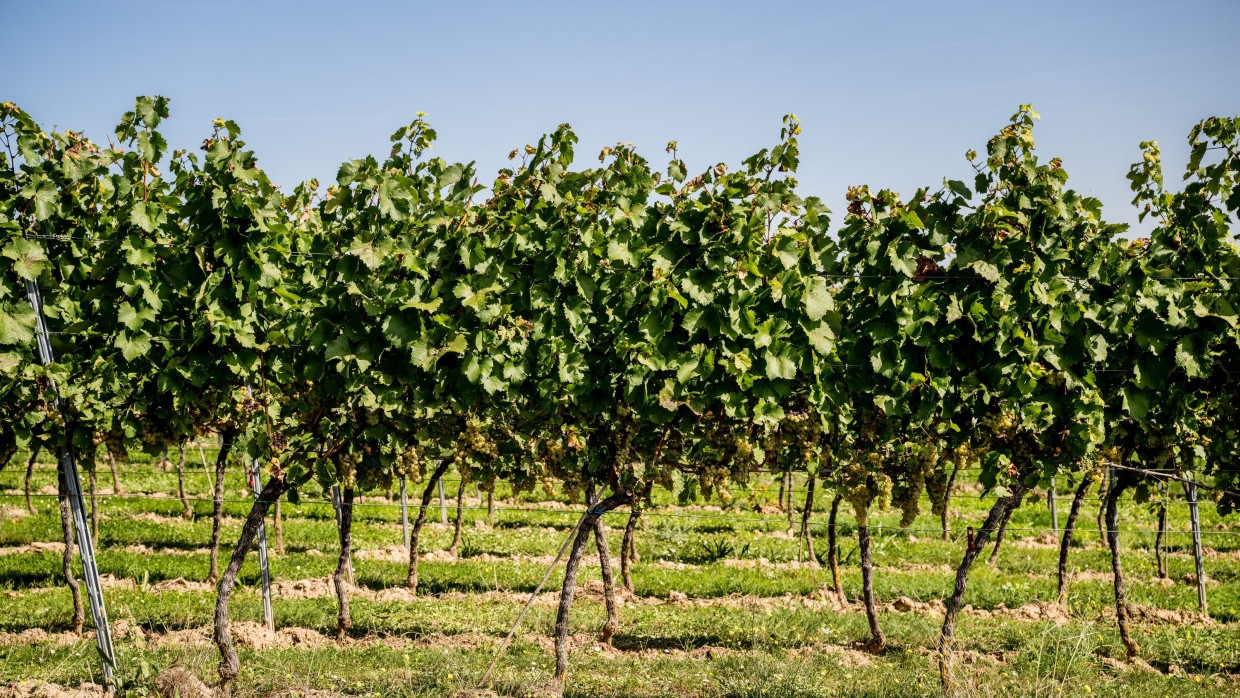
(343, 566)
(217, 511)
(188, 511)
(994, 554)
(974, 547)
(944, 515)
(66, 529)
(628, 551)
(420, 520)
(278, 525)
(1119, 483)
(491, 506)
(229, 664)
(805, 514)
(455, 549)
(609, 588)
(116, 479)
(877, 639)
(34, 456)
(570, 577)
(833, 550)
(1065, 542)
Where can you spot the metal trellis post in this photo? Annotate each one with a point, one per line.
(268, 615)
(86, 545)
(1190, 489)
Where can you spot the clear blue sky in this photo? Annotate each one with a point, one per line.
(891, 93)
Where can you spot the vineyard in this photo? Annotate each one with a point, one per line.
(973, 441)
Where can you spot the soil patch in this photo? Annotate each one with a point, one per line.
(181, 584)
(176, 682)
(36, 547)
(32, 636)
(42, 689)
(904, 604)
(13, 513)
(1042, 541)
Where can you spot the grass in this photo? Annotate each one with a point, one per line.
(752, 626)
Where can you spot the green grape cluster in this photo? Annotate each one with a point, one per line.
(1111, 454)
(966, 455)
(665, 477)
(115, 443)
(55, 416)
(549, 451)
(1024, 449)
(347, 463)
(474, 440)
(742, 448)
(408, 462)
(548, 483)
(921, 464)
(999, 426)
(715, 479)
(742, 458)
(154, 431)
(623, 437)
(803, 433)
(865, 485)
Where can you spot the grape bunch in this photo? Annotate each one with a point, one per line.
(244, 406)
(152, 431)
(803, 432)
(921, 464)
(549, 451)
(409, 462)
(865, 484)
(1111, 454)
(473, 440)
(715, 479)
(999, 426)
(114, 440)
(347, 463)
